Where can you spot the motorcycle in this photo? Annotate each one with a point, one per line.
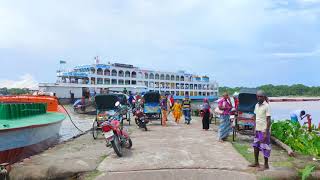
(115, 134)
(140, 119)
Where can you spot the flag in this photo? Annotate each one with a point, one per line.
(63, 62)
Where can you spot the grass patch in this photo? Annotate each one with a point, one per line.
(92, 175)
(102, 158)
(265, 178)
(243, 149)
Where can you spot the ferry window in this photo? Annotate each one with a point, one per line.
(134, 82)
(121, 73)
(127, 82)
(127, 74)
(99, 71)
(172, 77)
(146, 76)
(182, 78)
(121, 82)
(114, 81)
(106, 81)
(114, 73)
(177, 78)
(162, 77)
(151, 76)
(167, 77)
(100, 81)
(157, 76)
(93, 80)
(134, 74)
(93, 70)
(107, 72)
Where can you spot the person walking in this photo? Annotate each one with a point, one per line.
(205, 114)
(164, 110)
(225, 125)
(261, 140)
(186, 105)
(177, 111)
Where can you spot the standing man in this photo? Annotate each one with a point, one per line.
(262, 131)
(186, 105)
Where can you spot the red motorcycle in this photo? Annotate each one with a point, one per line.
(115, 134)
(140, 119)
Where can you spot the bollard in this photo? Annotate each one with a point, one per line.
(5, 169)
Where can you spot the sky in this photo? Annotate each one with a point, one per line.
(235, 42)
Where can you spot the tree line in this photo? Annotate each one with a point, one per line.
(13, 91)
(280, 90)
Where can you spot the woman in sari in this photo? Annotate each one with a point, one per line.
(205, 114)
(177, 111)
(225, 124)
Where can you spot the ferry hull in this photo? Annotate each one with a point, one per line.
(20, 143)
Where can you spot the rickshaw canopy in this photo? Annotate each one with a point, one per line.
(106, 101)
(152, 97)
(247, 99)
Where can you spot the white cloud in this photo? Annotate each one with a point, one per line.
(294, 55)
(25, 81)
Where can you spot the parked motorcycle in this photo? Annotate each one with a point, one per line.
(115, 134)
(140, 119)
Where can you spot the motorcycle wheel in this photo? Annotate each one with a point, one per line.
(95, 129)
(137, 122)
(129, 143)
(117, 146)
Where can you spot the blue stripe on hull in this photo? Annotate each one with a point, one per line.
(28, 136)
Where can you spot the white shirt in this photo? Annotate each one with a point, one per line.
(262, 112)
(297, 113)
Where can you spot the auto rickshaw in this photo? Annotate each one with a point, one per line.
(105, 105)
(152, 109)
(244, 115)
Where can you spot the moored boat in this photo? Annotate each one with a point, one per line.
(27, 128)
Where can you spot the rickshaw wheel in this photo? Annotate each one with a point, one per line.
(95, 129)
(128, 117)
(233, 134)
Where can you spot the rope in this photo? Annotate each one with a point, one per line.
(70, 118)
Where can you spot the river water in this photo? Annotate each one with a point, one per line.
(280, 111)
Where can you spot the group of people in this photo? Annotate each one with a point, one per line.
(168, 104)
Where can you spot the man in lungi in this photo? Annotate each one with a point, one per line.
(262, 131)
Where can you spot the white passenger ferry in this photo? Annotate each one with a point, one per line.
(116, 77)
